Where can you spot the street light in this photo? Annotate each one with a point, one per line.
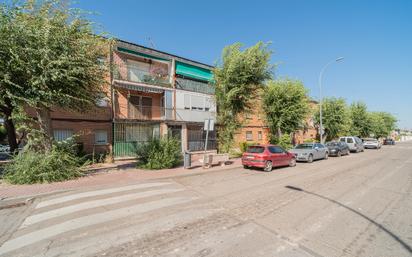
(320, 95)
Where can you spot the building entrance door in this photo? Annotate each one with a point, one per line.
(176, 132)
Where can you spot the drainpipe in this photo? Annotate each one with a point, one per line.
(173, 75)
(112, 97)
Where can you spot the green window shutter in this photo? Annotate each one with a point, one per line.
(191, 71)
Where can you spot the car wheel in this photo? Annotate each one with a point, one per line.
(310, 158)
(268, 166)
(292, 162)
(339, 154)
(326, 156)
(245, 167)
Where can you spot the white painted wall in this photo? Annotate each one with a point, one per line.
(183, 114)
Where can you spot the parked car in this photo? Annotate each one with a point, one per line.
(267, 157)
(389, 141)
(4, 149)
(309, 152)
(338, 148)
(371, 143)
(355, 143)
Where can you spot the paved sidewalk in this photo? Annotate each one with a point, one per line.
(124, 173)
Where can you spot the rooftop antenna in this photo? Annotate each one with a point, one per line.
(151, 43)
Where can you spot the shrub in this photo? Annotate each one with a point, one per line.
(244, 145)
(284, 141)
(310, 140)
(161, 153)
(29, 167)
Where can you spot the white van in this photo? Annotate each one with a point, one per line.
(355, 143)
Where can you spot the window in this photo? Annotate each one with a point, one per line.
(100, 137)
(62, 134)
(187, 102)
(207, 104)
(102, 101)
(259, 135)
(197, 102)
(194, 102)
(275, 149)
(255, 149)
(249, 136)
(349, 140)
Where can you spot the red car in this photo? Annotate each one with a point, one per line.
(267, 157)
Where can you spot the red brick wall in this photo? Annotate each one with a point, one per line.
(121, 108)
(86, 132)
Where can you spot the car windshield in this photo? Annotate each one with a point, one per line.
(255, 149)
(332, 144)
(304, 146)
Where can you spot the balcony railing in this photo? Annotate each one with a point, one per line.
(157, 113)
(149, 113)
(153, 76)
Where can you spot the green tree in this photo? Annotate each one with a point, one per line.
(286, 105)
(238, 78)
(335, 117)
(381, 123)
(360, 120)
(49, 58)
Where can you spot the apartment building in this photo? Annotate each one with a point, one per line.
(150, 94)
(254, 128)
(155, 93)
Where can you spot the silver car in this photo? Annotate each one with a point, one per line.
(308, 152)
(355, 143)
(371, 143)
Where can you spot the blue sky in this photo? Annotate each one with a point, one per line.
(375, 37)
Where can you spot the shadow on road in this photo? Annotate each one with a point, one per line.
(395, 237)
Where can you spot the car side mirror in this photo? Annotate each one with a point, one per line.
(316, 148)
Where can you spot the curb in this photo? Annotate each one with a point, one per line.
(15, 203)
(30, 198)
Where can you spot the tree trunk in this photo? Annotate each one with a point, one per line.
(279, 133)
(7, 110)
(44, 120)
(11, 133)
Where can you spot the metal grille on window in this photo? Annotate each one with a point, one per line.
(249, 136)
(196, 139)
(100, 137)
(62, 134)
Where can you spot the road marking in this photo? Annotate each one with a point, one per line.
(91, 244)
(86, 221)
(96, 193)
(92, 204)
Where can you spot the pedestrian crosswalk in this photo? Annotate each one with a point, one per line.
(75, 212)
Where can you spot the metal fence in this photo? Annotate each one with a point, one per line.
(133, 73)
(196, 138)
(195, 86)
(129, 136)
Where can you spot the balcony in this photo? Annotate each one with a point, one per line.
(149, 113)
(152, 76)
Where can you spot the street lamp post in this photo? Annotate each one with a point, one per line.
(320, 96)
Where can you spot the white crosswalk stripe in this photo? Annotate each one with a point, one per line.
(97, 193)
(86, 211)
(92, 204)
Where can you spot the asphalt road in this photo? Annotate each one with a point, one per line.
(357, 205)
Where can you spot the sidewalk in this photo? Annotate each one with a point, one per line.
(121, 173)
